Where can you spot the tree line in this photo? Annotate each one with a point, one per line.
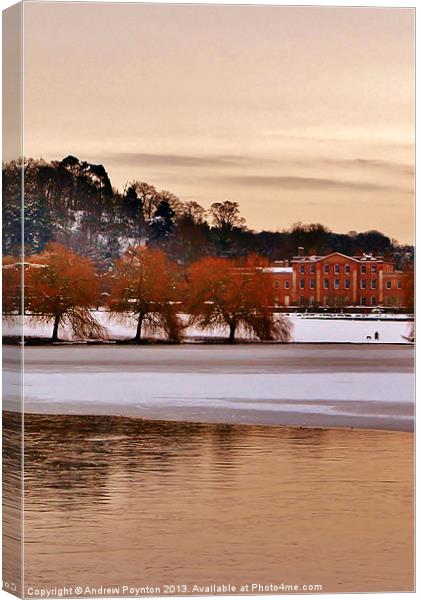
(74, 203)
(64, 288)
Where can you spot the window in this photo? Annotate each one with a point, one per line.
(326, 268)
(373, 284)
(389, 285)
(337, 284)
(374, 269)
(276, 284)
(346, 300)
(363, 269)
(363, 300)
(399, 285)
(363, 284)
(347, 269)
(347, 284)
(312, 268)
(301, 284)
(373, 300)
(286, 285)
(311, 301)
(336, 268)
(312, 284)
(326, 284)
(302, 269)
(276, 300)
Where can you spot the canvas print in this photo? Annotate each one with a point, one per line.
(208, 299)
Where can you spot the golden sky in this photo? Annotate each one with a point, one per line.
(297, 113)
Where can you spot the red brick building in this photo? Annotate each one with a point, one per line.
(337, 280)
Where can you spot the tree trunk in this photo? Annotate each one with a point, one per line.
(55, 328)
(138, 335)
(231, 338)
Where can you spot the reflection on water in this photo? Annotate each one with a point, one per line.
(113, 501)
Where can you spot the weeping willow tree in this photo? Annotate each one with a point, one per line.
(144, 286)
(61, 288)
(235, 293)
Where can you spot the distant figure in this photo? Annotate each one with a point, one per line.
(368, 337)
(376, 336)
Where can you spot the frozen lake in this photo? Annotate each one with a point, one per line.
(370, 386)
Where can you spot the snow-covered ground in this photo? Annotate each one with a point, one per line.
(347, 330)
(304, 329)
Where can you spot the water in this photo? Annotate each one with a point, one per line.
(117, 501)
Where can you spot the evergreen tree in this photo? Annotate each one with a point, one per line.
(162, 225)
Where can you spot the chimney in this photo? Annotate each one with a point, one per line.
(300, 251)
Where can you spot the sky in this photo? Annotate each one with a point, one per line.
(296, 113)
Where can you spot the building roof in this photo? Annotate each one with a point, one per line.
(279, 269)
(364, 258)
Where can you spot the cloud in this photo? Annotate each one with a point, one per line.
(139, 159)
(385, 165)
(243, 171)
(349, 163)
(310, 183)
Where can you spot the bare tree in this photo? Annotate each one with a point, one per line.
(226, 215)
(194, 212)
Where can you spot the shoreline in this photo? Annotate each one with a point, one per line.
(121, 418)
(28, 341)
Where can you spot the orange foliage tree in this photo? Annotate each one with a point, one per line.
(12, 286)
(144, 285)
(62, 287)
(233, 293)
